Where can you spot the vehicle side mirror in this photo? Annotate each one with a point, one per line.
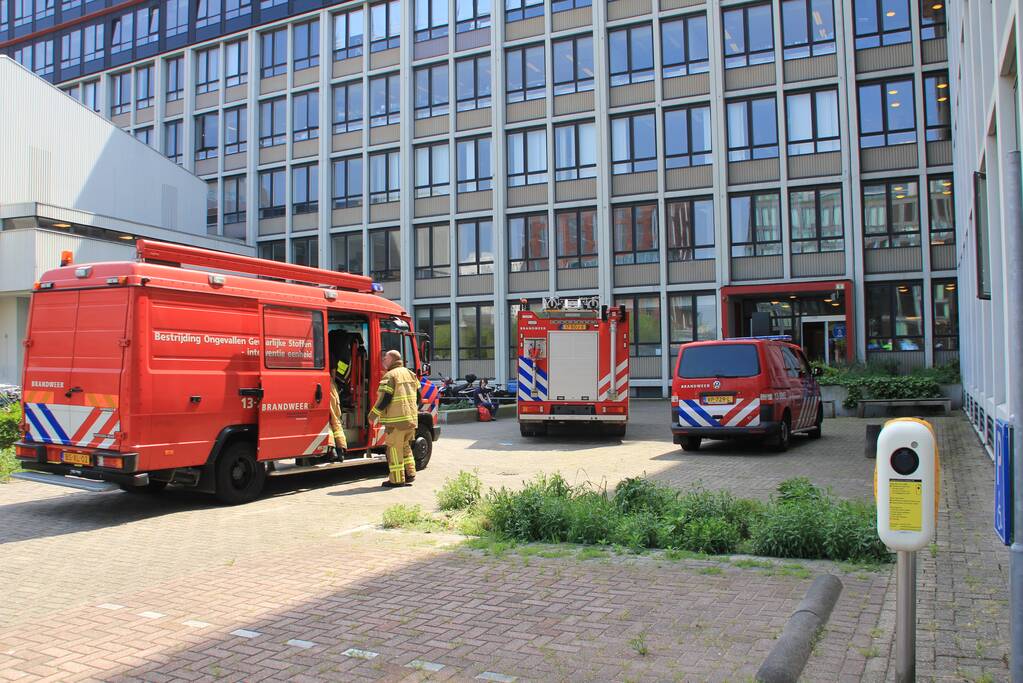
(425, 369)
(816, 371)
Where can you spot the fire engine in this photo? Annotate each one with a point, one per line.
(573, 365)
(145, 373)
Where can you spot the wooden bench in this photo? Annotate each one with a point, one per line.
(944, 403)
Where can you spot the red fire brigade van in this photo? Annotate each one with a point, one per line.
(744, 387)
(143, 374)
(573, 365)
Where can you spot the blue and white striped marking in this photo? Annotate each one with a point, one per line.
(530, 374)
(741, 414)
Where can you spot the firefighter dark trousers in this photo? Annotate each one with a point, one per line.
(400, 463)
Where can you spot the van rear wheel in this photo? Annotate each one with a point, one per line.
(781, 441)
(422, 449)
(239, 476)
(691, 443)
(817, 430)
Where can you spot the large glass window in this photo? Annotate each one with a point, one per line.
(384, 177)
(475, 332)
(895, 316)
(70, 44)
(433, 251)
(435, 321)
(684, 46)
(305, 251)
(472, 87)
(687, 137)
(431, 19)
(305, 47)
(691, 317)
(527, 243)
(690, 228)
(385, 255)
(272, 251)
(236, 58)
(177, 18)
(475, 247)
(348, 182)
(881, 22)
(348, 107)
(272, 122)
(891, 214)
(433, 175)
(172, 141)
(815, 219)
(576, 234)
(211, 207)
(635, 234)
(432, 91)
(206, 128)
(93, 41)
(942, 210)
(525, 74)
(631, 54)
(305, 189)
(644, 324)
(981, 231)
(234, 202)
(945, 309)
(527, 157)
(517, 10)
(207, 13)
(271, 193)
(932, 19)
(471, 15)
(748, 36)
(385, 100)
(348, 35)
(575, 151)
(346, 252)
(752, 129)
(385, 25)
(573, 64)
(120, 93)
(812, 119)
(936, 107)
(144, 87)
(274, 53)
(305, 115)
(122, 33)
(475, 169)
(147, 25)
(807, 28)
(634, 144)
(237, 8)
(756, 224)
(207, 70)
(887, 113)
(175, 78)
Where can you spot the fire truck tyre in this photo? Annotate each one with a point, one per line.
(691, 443)
(239, 476)
(526, 430)
(616, 431)
(422, 449)
(151, 487)
(781, 441)
(815, 433)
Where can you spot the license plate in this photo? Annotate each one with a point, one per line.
(718, 400)
(75, 458)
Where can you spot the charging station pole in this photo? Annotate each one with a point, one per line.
(905, 617)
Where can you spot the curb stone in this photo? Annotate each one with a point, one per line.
(788, 656)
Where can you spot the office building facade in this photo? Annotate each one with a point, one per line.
(717, 167)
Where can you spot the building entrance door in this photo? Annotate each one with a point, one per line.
(824, 337)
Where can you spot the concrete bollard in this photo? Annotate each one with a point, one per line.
(788, 656)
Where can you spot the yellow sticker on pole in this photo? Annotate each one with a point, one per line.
(905, 504)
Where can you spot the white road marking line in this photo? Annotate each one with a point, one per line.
(193, 623)
(361, 654)
(245, 633)
(491, 676)
(354, 530)
(110, 606)
(304, 644)
(152, 615)
(424, 666)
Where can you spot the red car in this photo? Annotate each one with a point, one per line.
(758, 387)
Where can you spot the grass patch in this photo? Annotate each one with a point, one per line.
(747, 563)
(460, 493)
(8, 464)
(590, 553)
(403, 516)
(639, 645)
(713, 571)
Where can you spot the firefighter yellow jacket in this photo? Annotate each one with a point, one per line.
(397, 399)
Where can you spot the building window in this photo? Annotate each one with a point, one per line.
(756, 224)
(144, 87)
(433, 175)
(435, 321)
(752, 129)
(575, 151)
(93, 41)
(475, 247)
(473, 83)
(633, 144)
(272, 122)
(236, 56)
(891, 214)
(172, 141)
(237, 8)
(936, 109)
(207, 71)
(684, 48)
(475, 332)
(144, 135)
(431, 19)
(471, 15)
(348, 107)
(815, 220)
(644, 324)
(687, 137)
(517, 10)
(945, 311)
(44, 58)
(631, 53)
(274, 53)
(812, 119)
(942, 210)
(635, 234)
(691, 317)
(881, 22)
(211, 207)
(305, 189)
(270, 4)
(122, 33)
(175, 78)
(808, 28)
(887, 113)
(177, 18)
(894, 316)
(120, 93)
(385, 25)
(527, 157)
(982, 232)
(207, 13)
(234, 200)
(347, 183)
(432, 91)
(206, 138)
(348, 35)
(45, 8)
(70, 48)
(576, 233)
(346, 252)
(690, 228)
(573, 65)
(306, 45)
(236, 135)
(385, 255)
(475, 169)
(433, 251)
(385, 100)
(271, 193)
(525, 74)
(90, 95)
(749, 36)
(272, 251)
(305, 115)
(384, 177)
(527, 243)
(932, 19)
(305, 251)
(147, 25)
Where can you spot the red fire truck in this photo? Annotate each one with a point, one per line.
(147, 373)
(573, 365)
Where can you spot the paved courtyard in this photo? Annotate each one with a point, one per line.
(301, 585)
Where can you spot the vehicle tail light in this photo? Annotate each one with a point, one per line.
(674, 399)
(118, 280)
(115, 462)
(615, 410)
(52, 455)
(25, 452)
(526, 408)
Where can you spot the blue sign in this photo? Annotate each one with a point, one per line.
(838, 330)
(1003, 481)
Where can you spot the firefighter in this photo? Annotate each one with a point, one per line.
(341, 370)
(397, 409)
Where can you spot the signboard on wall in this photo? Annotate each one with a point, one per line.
(1003, 481)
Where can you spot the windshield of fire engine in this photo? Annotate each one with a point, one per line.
(397, 335)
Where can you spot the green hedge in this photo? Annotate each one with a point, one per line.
(882, 381)
(10, 418)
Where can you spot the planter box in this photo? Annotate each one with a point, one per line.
(836, 393)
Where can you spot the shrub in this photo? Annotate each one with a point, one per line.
(10, 418)
(537, 513)
(403, 516)
(8, 464)
(711, 535)
(798, 489)
(591, 519)
(791, 529)
(906, 386)
(850, 533)
(636, 494)
(460, 493)
(638, 530)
